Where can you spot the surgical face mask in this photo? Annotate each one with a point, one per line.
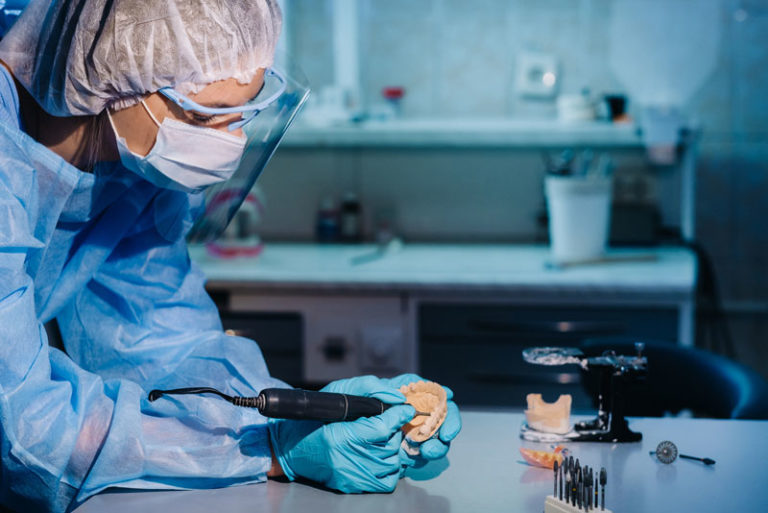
(184, 157)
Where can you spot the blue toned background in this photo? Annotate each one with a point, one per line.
(457, 60)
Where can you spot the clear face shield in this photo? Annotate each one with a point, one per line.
(264, 121)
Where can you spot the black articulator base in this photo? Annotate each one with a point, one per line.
(616, 372)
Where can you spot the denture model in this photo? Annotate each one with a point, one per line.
(549, 417)
(426, 396)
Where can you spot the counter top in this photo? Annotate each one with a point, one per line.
(465, 133)
(485, 473)
(670, 272)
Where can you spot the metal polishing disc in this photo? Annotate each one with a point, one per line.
(666, 452)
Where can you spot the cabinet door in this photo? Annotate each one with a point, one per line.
(280, 337)
(476, 349)
(344, 336)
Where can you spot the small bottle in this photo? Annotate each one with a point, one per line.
(394, 97)
(350, 218)
(327, 224)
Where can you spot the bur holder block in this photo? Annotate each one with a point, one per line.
(554, 505)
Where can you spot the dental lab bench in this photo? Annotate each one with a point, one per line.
(484, 472)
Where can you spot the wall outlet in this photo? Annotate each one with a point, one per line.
(537, 75)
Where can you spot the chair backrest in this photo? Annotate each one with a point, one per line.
(685, 378)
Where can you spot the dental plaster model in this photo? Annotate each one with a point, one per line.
(545, 459)
(549, 417)
(425, 396)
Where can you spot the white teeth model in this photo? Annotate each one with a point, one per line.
(426, 396)
(549, 417)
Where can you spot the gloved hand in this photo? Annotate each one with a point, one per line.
(437, 447)
(352, 457)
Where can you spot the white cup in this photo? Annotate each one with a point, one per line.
(579, 216)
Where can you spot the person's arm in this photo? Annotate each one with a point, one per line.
(67, 432)
(276, 470)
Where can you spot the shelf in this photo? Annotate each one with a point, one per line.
(465, 133)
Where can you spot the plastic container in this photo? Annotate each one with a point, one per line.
(327, 222)
(579, 216)
(350, 219)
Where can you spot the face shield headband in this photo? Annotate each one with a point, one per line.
(274, 81)
(264, 123)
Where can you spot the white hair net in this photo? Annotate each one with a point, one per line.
(77, 57)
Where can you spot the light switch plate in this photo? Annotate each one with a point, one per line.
(537, 75)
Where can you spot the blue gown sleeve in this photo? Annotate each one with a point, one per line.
(71, 426)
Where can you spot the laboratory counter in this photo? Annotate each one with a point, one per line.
(484, 472)
(660, 271)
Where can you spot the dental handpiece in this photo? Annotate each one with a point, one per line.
(297, 404)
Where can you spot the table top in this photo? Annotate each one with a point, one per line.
(668, 272)
(485, 473)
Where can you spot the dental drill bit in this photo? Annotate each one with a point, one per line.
(585, 496)
(574, 487)
(603, 480)
(597, 486)
(562, 474)
(576, 470)
(555, 466)
(578, 489)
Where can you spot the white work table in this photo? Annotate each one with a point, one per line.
(443, 267)
(485, 473)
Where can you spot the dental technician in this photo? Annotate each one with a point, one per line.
(116, 117)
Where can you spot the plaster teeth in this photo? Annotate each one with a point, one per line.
(425, 396)
(549, 417)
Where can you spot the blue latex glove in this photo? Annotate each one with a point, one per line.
(437, 447)
(352, 457)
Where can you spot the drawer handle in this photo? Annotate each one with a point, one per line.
(561, 378)
(546, 327)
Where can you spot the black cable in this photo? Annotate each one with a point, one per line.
(712, 330)
(248, 402)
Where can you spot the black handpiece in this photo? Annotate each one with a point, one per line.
(562, 477)
(297, 404)
(287, 403)
(555, 466)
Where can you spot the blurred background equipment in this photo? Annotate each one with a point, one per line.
(683, 378)
(442, 143)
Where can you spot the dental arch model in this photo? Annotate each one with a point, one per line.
(425, 396)
(549, 417)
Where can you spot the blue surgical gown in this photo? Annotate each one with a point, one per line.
(104, 254)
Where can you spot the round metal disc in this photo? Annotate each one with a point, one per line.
(666, 452)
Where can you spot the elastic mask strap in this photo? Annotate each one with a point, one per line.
(112, 123)
(150, 113)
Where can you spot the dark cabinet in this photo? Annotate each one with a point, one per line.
(476, 349)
